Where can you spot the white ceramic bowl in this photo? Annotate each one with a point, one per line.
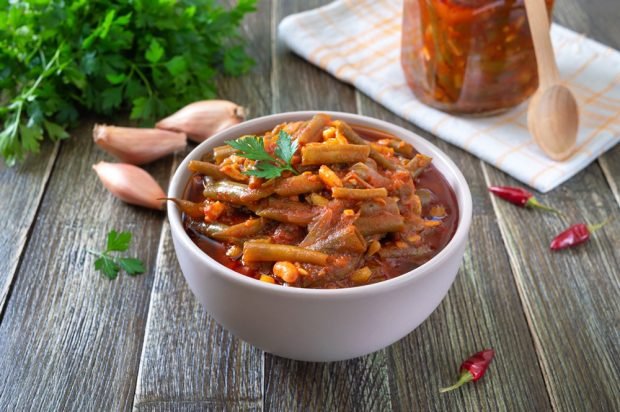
(315, 324)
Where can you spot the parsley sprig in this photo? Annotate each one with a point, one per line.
(110, 265)
(267, 166)
(62, 58)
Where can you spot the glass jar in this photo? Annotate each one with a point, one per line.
(472, 57)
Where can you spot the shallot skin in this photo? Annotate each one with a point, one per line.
(138, 146)
(200, 120)
(131, 184)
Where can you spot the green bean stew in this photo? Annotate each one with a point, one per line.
(358, 207)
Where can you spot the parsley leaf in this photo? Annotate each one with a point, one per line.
(155, 52)
(118, 241)
(251, 147)
(61, 58)
(107, 266)
(267, 166)
(286, 147)
(265, 170)
(132, 266)
(110, 265)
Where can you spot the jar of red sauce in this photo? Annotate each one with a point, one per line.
(471, 57)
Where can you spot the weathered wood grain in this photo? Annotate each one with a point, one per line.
(610, 165)
(356, 385)
(21, 189)
(188, 361)
(600, 23)
(360, 384)
(297, 84)
(596, 20)
(70, 339)
(481, 310)
(570, 297)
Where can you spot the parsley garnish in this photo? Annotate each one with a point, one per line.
(267, 166)
(109, 265)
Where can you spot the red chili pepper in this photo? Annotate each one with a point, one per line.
(519, 197)
(472, 368)
(575, 235)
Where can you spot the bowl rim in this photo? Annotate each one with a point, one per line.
(461, 190)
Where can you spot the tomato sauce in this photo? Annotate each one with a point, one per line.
(435, 195)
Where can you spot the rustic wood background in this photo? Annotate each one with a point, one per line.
(72, 340)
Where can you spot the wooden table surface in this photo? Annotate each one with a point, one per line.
(73, 340)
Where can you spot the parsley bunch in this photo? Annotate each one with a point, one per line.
(267, 166)
(109, 265)
(59, 58)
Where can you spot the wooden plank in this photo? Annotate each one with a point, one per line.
(570, 297)
(298, 84)
(188, 361)
(599, 23)
(610, 165)
(358, 384)
(21, 190)
(482, 309)
(70, 339)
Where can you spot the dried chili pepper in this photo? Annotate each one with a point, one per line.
(473, 368)
(575, 235)
(519, 197)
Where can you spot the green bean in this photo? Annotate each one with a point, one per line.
(312, 131)
(358, 194)
(418, 164)
(379, 224)
(207, 169)
(370, 175)
(378, 219)
(321, 153)
(293, 127)
(269, 252)
(226, 191)
(287, 211)
(191, 209)
(242, 230)
(297, 185)
(347, 239)
(207, 229)
(234, 192)
(222, 152)
(401, 147)
(411, 252)
(353, 137)
(371, 208)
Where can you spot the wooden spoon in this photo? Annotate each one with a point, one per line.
(553, 115)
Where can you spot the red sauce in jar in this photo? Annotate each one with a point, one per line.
(469, 56)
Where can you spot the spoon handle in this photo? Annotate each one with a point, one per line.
(539, 27)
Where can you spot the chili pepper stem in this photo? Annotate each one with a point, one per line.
(532, 202)
(594, 228)
(465, 377)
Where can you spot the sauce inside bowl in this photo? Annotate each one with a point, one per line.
(352, 218)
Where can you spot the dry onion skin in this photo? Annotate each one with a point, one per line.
(131, 184)
(138, 146)
(200, 120)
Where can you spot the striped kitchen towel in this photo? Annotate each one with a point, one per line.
(358, 41)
